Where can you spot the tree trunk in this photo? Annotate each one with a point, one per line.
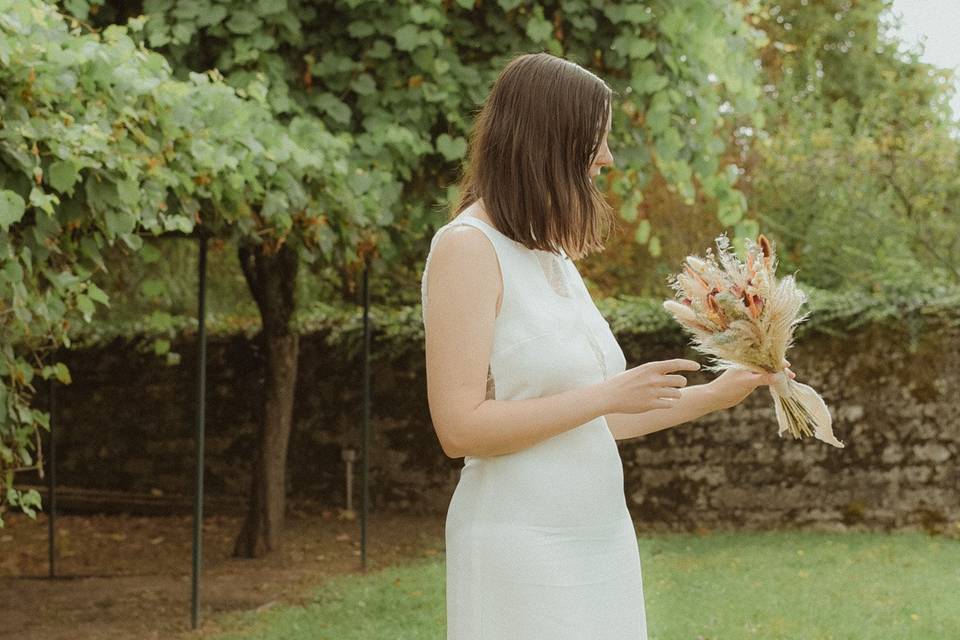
(272, 281)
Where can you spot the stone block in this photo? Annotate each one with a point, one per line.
(892, 453)
(932, 451)
(917, 474)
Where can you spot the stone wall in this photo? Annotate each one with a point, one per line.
(127, 422)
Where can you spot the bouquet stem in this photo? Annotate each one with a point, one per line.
(801, 411)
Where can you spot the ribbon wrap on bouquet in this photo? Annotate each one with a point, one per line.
(800, 408)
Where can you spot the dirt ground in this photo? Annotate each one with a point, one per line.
(128, 577)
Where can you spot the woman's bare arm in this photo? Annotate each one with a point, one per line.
(463, 285)
(695, 401)
(723, 392)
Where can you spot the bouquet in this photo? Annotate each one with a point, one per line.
(743, 316)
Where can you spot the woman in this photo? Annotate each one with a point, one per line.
(526, 381)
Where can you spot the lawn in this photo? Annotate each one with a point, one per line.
(794, 585)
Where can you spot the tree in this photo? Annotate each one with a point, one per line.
(130, 150)
(404, 77)
(857, 173)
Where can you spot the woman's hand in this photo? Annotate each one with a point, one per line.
(732, 386)
(648, 386)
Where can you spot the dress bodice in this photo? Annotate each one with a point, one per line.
(549, 335)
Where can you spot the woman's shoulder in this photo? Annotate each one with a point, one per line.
(459, 238)
(464, 251)
(469, 264)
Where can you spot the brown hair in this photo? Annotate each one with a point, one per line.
(530, 151)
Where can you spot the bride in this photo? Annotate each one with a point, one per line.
(526, 381)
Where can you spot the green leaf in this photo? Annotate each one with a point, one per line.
(466, 4)
(642, 233)
(364, 84)
(183, 32)
(631, 46)
(729, 213)
(12, 271)
(360, 183)
(380, 50)
(212, 15)
(654, 246)
(63, 373)
(132, 240)
(538, 28)
(43, 200)
(429, 15)
(334, 107)
(153, 287)
(161, 346)
(12, 208)
(31, 497)
(119, 222)
(149, 254)
(668, 144)
(360, 29)
(97, 294)
(266, 7)
(27, 372)
(407, 37)
(628, 208)
(673, 24)
(63, 175)
(649, 83)
(243, 22)
(637, 14)
(78, 8)
(129, 191)
(453, 193)
(85, 304)
(746, 228)
(451, 148)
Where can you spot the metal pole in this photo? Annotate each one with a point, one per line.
(52, 481)
(366, 410)
(201, 405)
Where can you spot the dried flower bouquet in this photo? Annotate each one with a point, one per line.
(743, 316)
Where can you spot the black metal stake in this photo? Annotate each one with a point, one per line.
(201, 405)
(52, 482)
(366, 411)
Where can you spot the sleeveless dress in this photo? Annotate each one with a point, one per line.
(539, 542)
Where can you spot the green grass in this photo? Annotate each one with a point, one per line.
(789, 586)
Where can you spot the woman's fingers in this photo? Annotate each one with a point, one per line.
(771, 378)
(675, 380)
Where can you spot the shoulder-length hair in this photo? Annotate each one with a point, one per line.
(530, 151)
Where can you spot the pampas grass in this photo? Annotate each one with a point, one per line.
(742, 315)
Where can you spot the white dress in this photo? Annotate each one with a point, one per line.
(539, 542)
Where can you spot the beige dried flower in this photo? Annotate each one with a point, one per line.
(742, 315)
